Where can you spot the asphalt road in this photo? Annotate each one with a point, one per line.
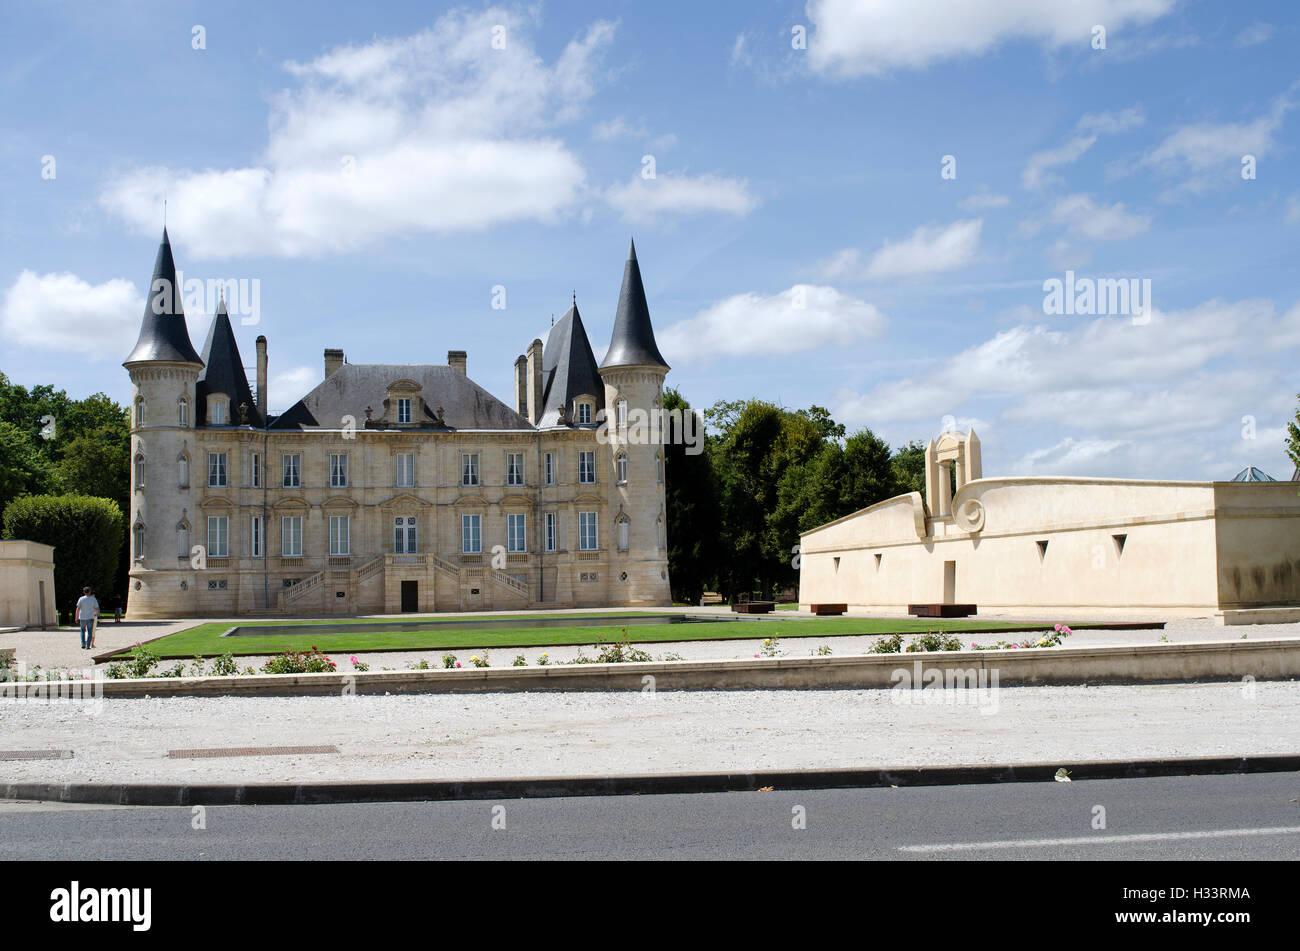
(1246, 817)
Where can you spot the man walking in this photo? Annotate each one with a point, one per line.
(86, 614)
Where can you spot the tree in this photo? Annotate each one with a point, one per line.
(909, 467)
(691, 497)
(87, 534)
(24, 470)
(1293, 438)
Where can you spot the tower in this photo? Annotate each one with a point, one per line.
(164, 373)
(633, 374)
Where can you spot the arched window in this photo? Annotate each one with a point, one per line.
(183, 540)
(218, 412)
(183, 412)
(139, 470)
(183, 472)
(622, 467)
(623, 526)
(139, 541)
(139, 411)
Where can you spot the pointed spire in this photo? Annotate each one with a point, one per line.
(633, 342)
(223, 373)
(163, 336)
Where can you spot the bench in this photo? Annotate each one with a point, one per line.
(754, 607)
(941, 610)
(826, 610)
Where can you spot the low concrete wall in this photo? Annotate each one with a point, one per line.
(1159, 663)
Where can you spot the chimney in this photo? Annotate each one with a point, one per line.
(456, 360)
(535, 381)
(521, 386)
(261, 377)
(333, 360)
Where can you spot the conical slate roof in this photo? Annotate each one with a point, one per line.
(163, 336)
(633, 342)
(223, 372)
(568, 368)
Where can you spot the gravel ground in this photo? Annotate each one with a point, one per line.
(469, 736)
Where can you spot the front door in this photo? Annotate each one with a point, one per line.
(410, 597)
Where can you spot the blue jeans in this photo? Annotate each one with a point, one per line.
(87, 632)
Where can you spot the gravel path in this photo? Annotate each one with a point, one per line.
(469, 736)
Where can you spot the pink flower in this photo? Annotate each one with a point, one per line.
(755, 655)
(1058, 627)
(352, 659)
(458, 664)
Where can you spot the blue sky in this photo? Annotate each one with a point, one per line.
(380, 168)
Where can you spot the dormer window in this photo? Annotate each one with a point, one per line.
(403, 405)
(218, 412)
(584, 414)
(404, 410)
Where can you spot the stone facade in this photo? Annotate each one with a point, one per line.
(390, 488)
(27, 585)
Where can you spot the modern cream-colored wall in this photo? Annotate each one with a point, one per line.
(1185, 544)
(24, 566)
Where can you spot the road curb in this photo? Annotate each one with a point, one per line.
(276, 794)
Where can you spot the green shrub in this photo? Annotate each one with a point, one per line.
(520, 661)
(480, 661)
(299, 662)
(448, 661)
(893, 644)
(934, 641)
(225, 666)
(619, 652)
(87, 534)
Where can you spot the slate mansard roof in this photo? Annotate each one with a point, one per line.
(633, 342)
(223, 372)
(354, 386)
(568, 369)
(163, 336)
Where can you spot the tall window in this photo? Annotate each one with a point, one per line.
(182, 541)
(516, 537)
(587, 467)
(584, 414)
(218, 536)
(255, 536)
(291, 470)
(514, 468)
(550, 531)
(620, 415)
(255, 469)
(340, 534)
(217, 469)
(291, 536)
(183, 472)
(404, 410)
(217, 412)
(404, 535)
(471, 538)
(406, 469)
(548, 463)
(586, 531)
(659, 464)
(622, 533)
(139, 470)
(139, 542)
(659, 531)
(622, 467)
(338, 470)
(182, 412)
(469, 468)
(139, 411)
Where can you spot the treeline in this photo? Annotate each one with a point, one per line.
(53, 445)
(766, 474)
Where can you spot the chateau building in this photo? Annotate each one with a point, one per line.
(393, 487)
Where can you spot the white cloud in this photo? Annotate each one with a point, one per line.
(642, 200)
(1258, 32)
(804, 317)
(1037, 171)
(617, 128)
(983, 200)
(289, 386)
(1149, 397)
(62, 312)
(435, 132)
(1086, 219)
(927, 250)
(871, 37)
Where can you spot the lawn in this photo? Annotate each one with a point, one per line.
(206, 640)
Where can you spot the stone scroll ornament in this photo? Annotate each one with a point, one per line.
(970, 515)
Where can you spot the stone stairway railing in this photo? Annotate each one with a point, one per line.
(514, 584)
(295, 593)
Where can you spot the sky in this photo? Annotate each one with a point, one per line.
(859, 204)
